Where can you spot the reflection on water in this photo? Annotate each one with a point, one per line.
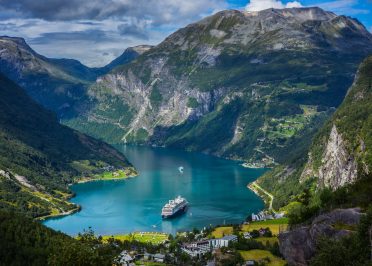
(215, 188)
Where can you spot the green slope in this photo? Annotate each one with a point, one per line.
(26, 242)
(353, 121)
(39, 157)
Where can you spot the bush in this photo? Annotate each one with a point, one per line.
(301, 213)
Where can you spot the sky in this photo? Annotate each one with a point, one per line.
(97, 31)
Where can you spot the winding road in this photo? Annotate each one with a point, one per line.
(255, 187)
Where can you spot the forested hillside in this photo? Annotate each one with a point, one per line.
(339, 158)
(39, 157)
(26, 242)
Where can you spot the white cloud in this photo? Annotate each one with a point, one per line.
(103, 28)
(293, 4)
(258, 5)
(102, 41)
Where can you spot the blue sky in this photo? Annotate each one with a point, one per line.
(59, 28)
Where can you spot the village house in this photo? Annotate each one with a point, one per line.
(198, 248)
(223, 242)
(125, 259)
(202, 247)
(263, 231)
(247, 235)
(263, 216)
(159, 257)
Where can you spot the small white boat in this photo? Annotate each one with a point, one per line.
(180, 169)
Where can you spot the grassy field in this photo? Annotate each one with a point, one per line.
(119, 174)
(221, 231)
(257, 255)
(149, 263)
(146, 237)
(274, 225)
(271, 222)
(108, 175)
(264, 240)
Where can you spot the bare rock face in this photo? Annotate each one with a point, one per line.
(338, 166)
(298, 245)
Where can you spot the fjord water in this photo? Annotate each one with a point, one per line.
(215, 188)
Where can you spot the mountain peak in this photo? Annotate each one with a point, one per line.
(127, 56)
(298, 13)
(14, 43)
(17, 40)
(289, 28)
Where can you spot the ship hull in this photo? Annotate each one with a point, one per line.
(177, 213)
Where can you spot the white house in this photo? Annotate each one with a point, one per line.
(159, 257)
(197, 248)
(223, 242)
(247, 235)
(125, 258)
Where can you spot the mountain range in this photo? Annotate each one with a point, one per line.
(59, 85)
(240, 85)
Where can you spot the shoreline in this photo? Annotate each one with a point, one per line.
(82, 181)
(50, 216)
(78, 208)
(133, 175)
(255, 188)
(127, 173)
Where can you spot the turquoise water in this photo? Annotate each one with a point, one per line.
(216, 189)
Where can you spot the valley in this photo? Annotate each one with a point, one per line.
(261, 120)
(120, 207)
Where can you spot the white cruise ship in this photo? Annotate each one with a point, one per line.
(174, 207)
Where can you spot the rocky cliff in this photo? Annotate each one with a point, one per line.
(298, 246)
(248, 85)
(338, 167)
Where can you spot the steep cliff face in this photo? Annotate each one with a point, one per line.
(341, 151)
(346, 150)
(338, 166)
(235, 84)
